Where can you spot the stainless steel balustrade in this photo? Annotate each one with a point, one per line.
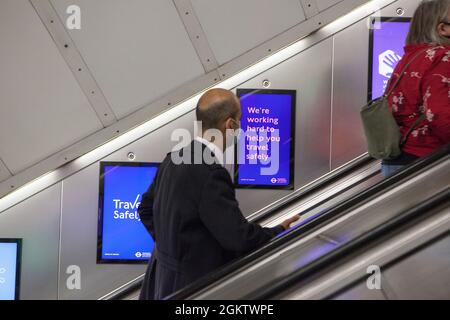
(414, 264)
(356, 221)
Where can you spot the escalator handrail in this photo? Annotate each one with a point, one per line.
(277, 286)
(314, 186)
(257, 217)
(302, 229)
(125, 290)
(310, 225)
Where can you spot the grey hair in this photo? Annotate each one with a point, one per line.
(426, 19)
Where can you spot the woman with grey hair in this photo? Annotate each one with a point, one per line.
(424, 88)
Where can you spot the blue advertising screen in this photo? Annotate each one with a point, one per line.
(387, 41)
(122, 236)
(265, 150)
(9, 269)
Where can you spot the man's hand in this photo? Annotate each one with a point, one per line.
(286, 223)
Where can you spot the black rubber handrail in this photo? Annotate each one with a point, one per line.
(277, 286)
(311, 188)
(311, 225)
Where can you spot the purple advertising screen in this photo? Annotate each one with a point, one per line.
(10, 261)
(265, 155)
(387, 41)
(122, 238)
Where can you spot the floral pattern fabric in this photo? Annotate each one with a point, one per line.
(424, 89)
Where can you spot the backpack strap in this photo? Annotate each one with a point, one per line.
(386, 95)
(414, 126)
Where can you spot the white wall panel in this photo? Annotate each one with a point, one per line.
(154, 146)
(349, 93)
(138, 50)
(325, 4)
(234, 27)
(42, 108)
(36, 221)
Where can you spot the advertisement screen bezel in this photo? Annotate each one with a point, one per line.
(18, 243)
(290, 186)
(371, 45)
(103, 165)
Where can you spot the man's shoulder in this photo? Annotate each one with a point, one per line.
(194, 156)
(188, 167)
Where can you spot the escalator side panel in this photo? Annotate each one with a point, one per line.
(424, 275)
(310, 251)
(375, 211)
(391, 255)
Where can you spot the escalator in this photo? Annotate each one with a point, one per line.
(337, 210)
(327, 255)
(312, 199)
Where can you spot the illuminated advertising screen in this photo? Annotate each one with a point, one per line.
(10, 257)
(387, 41)
(265, 150)
(122, 238)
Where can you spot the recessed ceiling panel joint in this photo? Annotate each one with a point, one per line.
(5, 173)
(310, 8)
(196, 34)
(75, 61)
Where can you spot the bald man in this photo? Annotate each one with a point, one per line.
(191, 210)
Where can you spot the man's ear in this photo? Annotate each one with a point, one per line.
(229, 124)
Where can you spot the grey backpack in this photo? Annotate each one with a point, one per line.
(384, 140)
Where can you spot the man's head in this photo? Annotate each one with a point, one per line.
(219, 109)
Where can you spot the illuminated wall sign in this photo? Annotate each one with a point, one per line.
(265, 157)
(386, 48)
(122, 238)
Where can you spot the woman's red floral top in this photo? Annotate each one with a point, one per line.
(424, 88)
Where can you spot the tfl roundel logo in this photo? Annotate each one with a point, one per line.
(274, 180)
(138, 254)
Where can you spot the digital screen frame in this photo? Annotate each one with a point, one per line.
(100, 233)
(18, 263)
(291, 167)
(372, 62)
